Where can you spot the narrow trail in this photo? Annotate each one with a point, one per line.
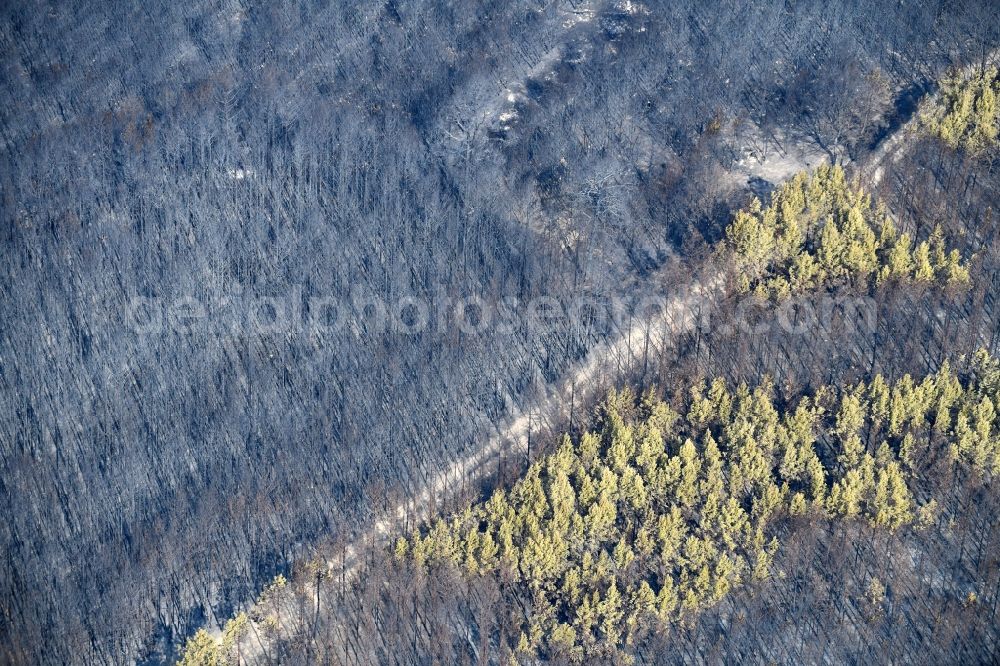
(895, 146)
(604, 363)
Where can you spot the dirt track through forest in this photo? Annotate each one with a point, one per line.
(640, 340)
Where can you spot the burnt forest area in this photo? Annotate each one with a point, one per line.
(220, 221)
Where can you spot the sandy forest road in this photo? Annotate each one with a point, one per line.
(894, 147)
(604, 364)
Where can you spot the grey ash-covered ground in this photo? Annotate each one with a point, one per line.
(152, 480)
